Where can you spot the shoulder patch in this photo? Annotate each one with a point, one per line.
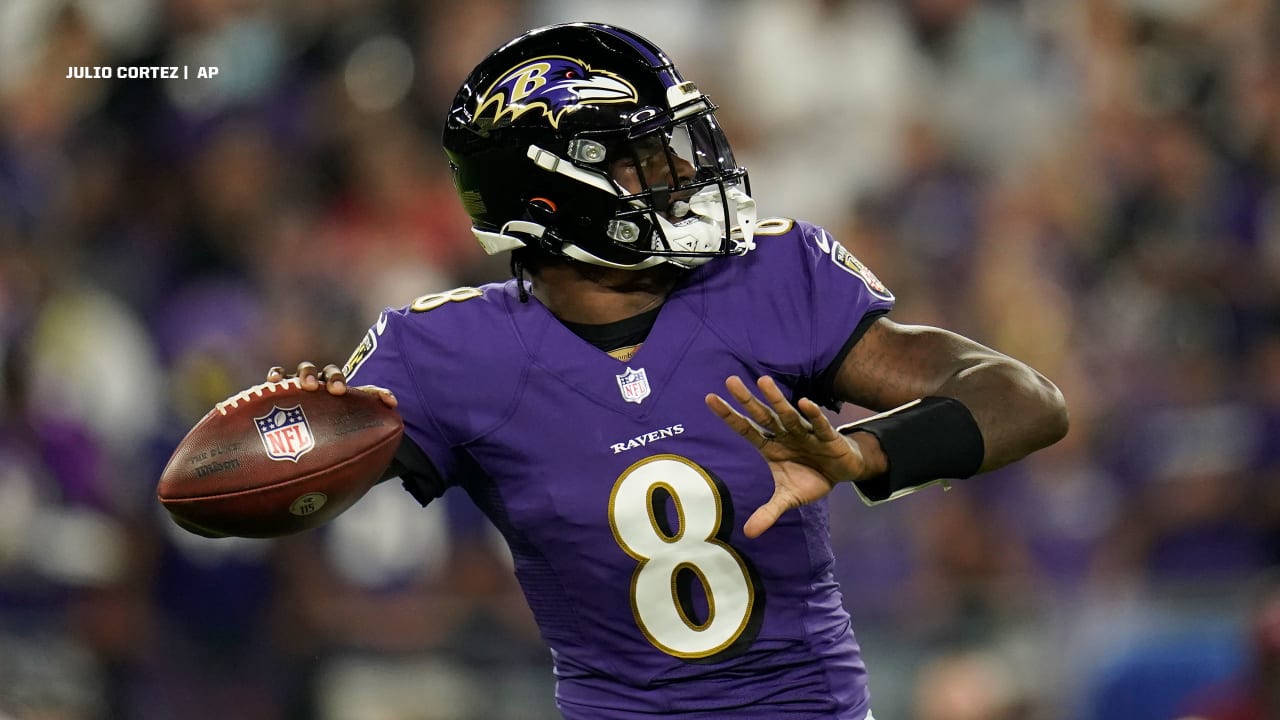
(846, 261)
(360, 354)
(366, 346)
(851, 264)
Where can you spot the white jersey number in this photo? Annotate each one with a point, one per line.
(671, 559)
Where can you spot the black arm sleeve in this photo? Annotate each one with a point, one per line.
(926, 441)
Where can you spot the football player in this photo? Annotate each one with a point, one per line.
(670, 537)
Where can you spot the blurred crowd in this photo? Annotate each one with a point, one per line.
(1090, 185)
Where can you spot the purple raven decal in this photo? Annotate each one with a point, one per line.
(554, 84)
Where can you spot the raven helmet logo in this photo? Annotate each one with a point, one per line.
(553, 84)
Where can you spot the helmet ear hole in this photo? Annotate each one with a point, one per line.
(541, 210)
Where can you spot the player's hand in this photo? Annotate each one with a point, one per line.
(331, 379)
(806, 454)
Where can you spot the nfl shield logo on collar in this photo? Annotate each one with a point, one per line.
(285, 432)
(634, 385)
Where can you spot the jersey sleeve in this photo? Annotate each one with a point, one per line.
(812, 300)
(426, 458)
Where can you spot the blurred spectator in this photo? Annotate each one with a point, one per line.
(1255, 694)
(393, 617)
(971, 571)
(968, 685)
(820, 92)
(930, 218)
(1263, 378)
(1188, 517)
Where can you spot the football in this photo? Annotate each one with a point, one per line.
(276, 459)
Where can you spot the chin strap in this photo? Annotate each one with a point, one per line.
(517, 270)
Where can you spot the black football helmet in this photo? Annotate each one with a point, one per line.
(539, 129)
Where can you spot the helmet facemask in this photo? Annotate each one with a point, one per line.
(684, 199)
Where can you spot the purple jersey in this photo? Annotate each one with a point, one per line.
(622, 496)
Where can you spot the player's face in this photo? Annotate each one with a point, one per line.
(652, 164)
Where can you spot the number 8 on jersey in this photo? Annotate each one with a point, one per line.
(670, 559)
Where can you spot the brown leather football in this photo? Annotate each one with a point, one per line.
(276, 460)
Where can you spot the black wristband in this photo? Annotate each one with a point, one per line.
(926, 440)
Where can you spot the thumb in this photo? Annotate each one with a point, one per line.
(766, 515)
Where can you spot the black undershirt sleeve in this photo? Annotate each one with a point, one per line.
(416, 471)
(821, 389)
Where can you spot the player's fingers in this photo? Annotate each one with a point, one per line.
(736, 420)
(731, 417)
(307, 374)
(818, 420)
(765, 516)
(275, 374)
(387, 397)
(755, 409)
(335, 381)
(790, 418)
